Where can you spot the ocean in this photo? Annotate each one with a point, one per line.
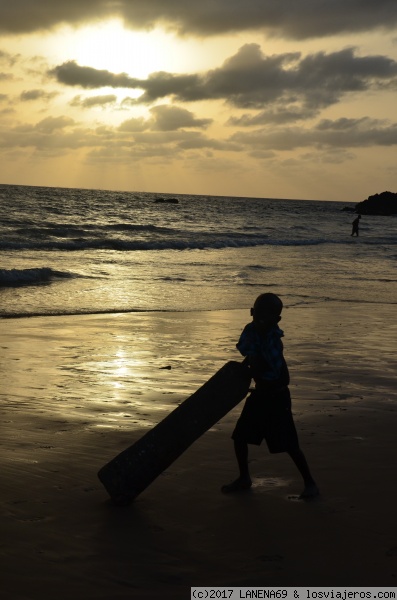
(81, 251)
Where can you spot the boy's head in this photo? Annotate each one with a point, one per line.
(267, 309)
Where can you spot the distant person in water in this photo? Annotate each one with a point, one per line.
(355, 225)
(267, 410)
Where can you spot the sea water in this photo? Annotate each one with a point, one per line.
(78, 251)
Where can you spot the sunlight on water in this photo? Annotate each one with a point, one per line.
(86, 251)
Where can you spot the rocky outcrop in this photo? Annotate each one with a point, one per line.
(378, 204)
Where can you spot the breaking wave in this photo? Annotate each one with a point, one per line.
(35, 276)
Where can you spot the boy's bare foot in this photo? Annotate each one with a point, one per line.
(310, 491)
(240, 484)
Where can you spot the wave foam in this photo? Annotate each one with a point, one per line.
(34, 276)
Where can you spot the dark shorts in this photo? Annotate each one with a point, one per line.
(267, 416)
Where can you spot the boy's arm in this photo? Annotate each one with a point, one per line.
(247, 346)
(253, 364)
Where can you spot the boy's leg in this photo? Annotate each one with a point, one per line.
(311, 489)
(243, 482)
(241, 451)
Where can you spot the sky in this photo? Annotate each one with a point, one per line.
(262, 98)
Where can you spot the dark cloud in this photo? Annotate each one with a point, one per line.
(25, 16)
(156, 86)
(249, 79)
(284, 18)
(160, 85)
(70, 73)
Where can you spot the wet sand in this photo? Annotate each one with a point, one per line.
(77, 390)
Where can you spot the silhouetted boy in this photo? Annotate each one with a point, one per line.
(267, 410)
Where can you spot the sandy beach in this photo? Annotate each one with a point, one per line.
(77, 390)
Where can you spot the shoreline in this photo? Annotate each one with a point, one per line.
(315, 302)
(78, 389)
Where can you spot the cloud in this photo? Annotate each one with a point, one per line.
(165, 118)
(250, 79)
(134, 125)
(164, 133)
(330, 141)
(7, 58)
(93, 101)
(41, 138)
(32, 95)
(362, 132)
(284, 18)
(25, 16)
(51, 124)
(162, 84)
(340, 133)
(278, 115)
(70, 73)
(171, 118)
(153, 146)
(158, 85)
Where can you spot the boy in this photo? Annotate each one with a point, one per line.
(267, 411)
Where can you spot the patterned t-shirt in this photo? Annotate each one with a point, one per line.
(266, 348)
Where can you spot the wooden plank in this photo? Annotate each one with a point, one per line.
(131, 471)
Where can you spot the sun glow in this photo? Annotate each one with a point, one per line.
(112, 47)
